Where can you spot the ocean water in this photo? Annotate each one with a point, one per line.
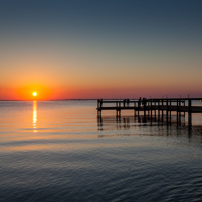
(59, 151)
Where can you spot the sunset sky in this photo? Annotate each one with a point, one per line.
(66, 49)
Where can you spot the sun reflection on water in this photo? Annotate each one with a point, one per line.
(34, 118)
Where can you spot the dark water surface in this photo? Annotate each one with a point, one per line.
(59, 151)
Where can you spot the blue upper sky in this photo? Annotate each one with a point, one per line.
(104, 17)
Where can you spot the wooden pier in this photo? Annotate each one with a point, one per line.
(153, 107)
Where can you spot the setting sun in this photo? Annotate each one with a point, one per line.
(34, 94)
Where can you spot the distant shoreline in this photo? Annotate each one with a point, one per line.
(49, 100)
(72, 99)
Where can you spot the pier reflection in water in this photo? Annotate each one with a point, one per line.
(131, 126)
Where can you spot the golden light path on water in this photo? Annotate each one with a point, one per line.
(34, 117)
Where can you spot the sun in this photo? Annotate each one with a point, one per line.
(34, 94)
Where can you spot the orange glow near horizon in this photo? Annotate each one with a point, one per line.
(41, 92)
(34, 91)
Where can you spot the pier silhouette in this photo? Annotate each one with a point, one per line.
(153, 107)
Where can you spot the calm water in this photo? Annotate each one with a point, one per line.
(59, 151)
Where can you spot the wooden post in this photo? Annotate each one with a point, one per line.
(99, 108)
(162, 110)
(155, 111)
(167, 110)
(138, 110)
(101, 102)
(170, 110)
(189, 113)
(158, 110)
(134, 110)
(177, 111)
(180, 112)
(148, 110)
(138, 113)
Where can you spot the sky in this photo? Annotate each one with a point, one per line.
(91, 49)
